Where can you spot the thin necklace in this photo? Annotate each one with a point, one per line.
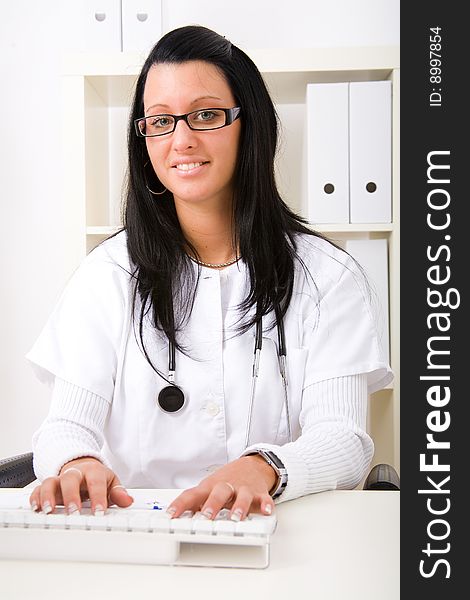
(215, 266)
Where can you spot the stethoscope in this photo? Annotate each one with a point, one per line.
(171, 398)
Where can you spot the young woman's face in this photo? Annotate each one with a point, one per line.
(197, 166)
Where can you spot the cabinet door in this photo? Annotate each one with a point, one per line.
(141, 25)
(101, 25)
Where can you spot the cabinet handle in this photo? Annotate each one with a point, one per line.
(328, 188)
(142, 17)
(371, 187)
(100, 16)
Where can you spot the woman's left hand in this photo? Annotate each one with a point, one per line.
(242, 486)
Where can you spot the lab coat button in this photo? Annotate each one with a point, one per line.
(212, 408)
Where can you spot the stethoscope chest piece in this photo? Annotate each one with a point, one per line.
(171, 399)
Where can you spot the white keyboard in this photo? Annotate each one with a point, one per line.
(143, 533)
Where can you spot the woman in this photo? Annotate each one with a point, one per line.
(150, 348)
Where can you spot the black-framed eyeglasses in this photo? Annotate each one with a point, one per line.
(204, 119)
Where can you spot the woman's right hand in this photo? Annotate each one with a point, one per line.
(80, 479)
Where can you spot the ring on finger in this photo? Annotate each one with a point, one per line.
(232, 488)
(73, 469)
(112, 488)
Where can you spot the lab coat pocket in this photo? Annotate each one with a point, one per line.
(296, 362)
(268, 398)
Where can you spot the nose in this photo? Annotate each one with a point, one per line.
(183, 136)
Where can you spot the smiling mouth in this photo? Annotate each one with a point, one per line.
(189, 166)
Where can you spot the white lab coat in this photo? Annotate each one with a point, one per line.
(89, 341)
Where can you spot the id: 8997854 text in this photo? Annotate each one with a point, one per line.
(435, 66)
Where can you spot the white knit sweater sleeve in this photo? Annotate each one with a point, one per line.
(73, 428)
(333, 450)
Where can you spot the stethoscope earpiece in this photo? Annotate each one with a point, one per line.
(171, 399)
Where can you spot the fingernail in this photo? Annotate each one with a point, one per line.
(46, 507)
(34, 505)
(207, 513)
(171, 510)
(268, 509)
(72, 509)
(236, 515)
(99, 511)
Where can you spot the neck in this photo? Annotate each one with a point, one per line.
(208, 230)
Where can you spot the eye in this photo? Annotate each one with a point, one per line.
(160, 121)
(205, 115)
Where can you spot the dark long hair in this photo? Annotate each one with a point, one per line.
(264, 227)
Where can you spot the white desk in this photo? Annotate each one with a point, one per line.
(341, 545)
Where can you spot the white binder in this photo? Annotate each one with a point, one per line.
(372, 255)
(141, 25)
(101, 25)
(327, 152)
(370, 151)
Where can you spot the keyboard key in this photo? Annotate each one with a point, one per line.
(33, 519)
(117, 520)
(96, 523)
(225, 527)
(223, 515)
(183, 524)
(75, 521)
(14, 518)
(56, 521)
(160, 521)
(255, 525)
(201, 524)
(139, 520)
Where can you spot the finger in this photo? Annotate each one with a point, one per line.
(118, 494)
(267, 504)
(191, 499)
(262, 503)
(242, 504)
(70, 483)
(96, 483)
(34, 498)
(221, 495)
(49, 495)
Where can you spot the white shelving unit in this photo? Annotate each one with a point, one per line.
(97, 93)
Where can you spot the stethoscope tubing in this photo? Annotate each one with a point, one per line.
(171, 398)
(254, 377)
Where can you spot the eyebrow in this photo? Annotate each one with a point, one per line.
(192, 102)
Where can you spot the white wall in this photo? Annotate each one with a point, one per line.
(32, 203)
(33, 197)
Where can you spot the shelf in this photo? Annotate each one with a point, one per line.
(365, 59)
(286, 71)
(334, 227)
(352, 227)
(285, 87)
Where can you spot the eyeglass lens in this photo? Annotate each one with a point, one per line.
(199, 119)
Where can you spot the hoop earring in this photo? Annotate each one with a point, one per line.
(146, 185)
(156, 193)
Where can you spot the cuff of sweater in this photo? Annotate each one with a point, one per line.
(297, 470)
(73, 429)
(51, 465)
